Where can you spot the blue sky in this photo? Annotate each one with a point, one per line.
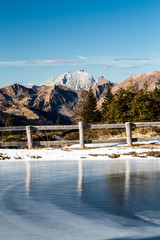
(44, 38)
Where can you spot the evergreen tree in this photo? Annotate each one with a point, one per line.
(142, 106)
(90, 114)
(156, 92)
(9, 121)
(120, 108)
(82, 98)
(156, 101)
(111, 113)
(58, 122)
(108, 98)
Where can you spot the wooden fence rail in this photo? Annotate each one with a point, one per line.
(30, 143)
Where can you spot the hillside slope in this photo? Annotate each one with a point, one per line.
(41, 106)
(150, 79)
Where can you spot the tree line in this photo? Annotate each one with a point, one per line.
(130, 105)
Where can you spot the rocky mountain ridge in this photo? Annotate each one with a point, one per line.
(43, 104)
(38, 106)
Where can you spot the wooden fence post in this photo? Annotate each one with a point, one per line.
(128, 126)
(29, 136)
(81, 134)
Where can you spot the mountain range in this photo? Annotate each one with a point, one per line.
(59, 96)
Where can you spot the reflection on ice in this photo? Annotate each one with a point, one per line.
(127, 179)
(80, 178)
(38, 200)
(28, 178)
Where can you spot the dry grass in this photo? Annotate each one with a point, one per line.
(9, 137)
(146, 132)
(155, 154)
(105, 155)
(71, 136)
(102, 134)
(36, 157)
(3, 156)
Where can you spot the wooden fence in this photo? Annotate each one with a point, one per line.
(80, 127)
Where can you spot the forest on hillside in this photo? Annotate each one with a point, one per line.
(128, 105)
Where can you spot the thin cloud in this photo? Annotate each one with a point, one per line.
(49, 61)
(81, 57)
(29, 84)
(126, 73)
(132, 59)
(45, 62)
(119, 66)
(13, 63)
(54, 61)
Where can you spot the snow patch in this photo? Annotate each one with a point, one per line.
(91, 152)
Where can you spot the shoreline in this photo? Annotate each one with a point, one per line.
(106, 152)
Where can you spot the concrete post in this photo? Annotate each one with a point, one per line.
(29, 136)
(128, 126)
(81, 134)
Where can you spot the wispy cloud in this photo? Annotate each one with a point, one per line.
(13, 63)
(54, 61)
(45, 62)
(81, 57)
(119, 66)
(126, 73)
(132, 59)
(29, 84)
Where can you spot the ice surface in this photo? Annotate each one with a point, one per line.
(150, 216)
(24, 217)
(39, 220)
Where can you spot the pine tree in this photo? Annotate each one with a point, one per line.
(156, 99)
(120, 107)
(58, 122)
(123, 104)
(142, 106)
(108, 98)
(82, 98)
(9, 121)
(90, 114)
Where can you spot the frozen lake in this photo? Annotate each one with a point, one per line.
(90, 200)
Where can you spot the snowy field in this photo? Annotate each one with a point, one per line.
(91, 152)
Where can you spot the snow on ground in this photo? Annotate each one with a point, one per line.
(91, 152)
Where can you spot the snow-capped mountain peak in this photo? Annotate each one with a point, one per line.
(48, 82)
(75, 81)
